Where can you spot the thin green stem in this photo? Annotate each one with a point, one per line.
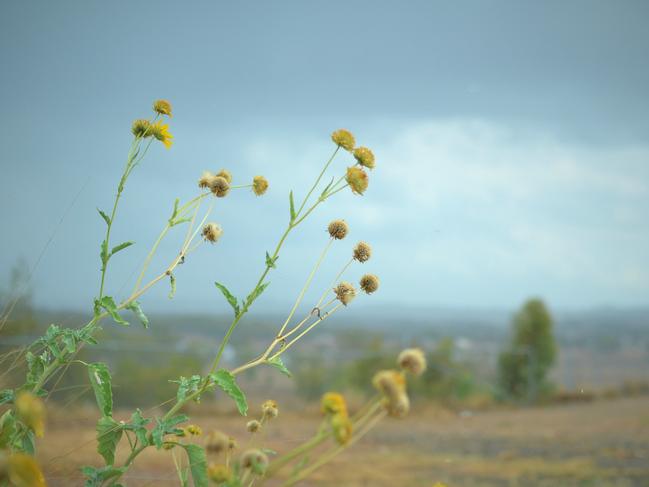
(317, 181)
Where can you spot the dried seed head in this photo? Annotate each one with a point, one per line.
(362, 252)
(225, 174)
(357, 179)
(365, 157)
(31, 411)
(259, 185)
(205, 181)
(369, 283)
(338, 229)
(253, 426)
(269, 409)
(412, 360)
(392, 385)
(255, 460)
(232, 443)
(212, 232)
(163, 107)
(399, 407)
(194, 430)
(344, 138)
(342, 428)
(333, 403)
(345, 292)
(217, 442)
(141, 128)
(219, 186)
(161, 132)
(218, 473)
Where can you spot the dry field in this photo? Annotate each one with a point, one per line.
(604, 443)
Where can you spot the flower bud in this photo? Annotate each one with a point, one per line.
(364, 156)
(141, 128)
(218, 473)
(259, 185)
(217, 442)
(269, 409)
(342, 428)
(219, 186)
(333, 403)
(412, 360)
(163, 107)
(344, 138)
(255, 460)
(253, 426)
(357, 179)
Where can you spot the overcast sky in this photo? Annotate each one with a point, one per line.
(512, 144)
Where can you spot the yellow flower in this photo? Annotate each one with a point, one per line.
(357, 179)
(141, 128)
(344, 138)
(364, 156)
(31, 411)
(163, 107)
(218, 473)
(161, 132)
(342, 428)
(333, 403)
(259, 185)
(23, 471)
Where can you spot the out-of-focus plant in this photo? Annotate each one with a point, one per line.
(58, 348)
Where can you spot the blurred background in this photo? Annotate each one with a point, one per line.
(507, 215)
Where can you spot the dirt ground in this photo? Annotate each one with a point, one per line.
(604, 443)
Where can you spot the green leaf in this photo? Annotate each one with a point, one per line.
(95, 477)
(292, 205)
(108, 303)
(137, 424)
(186, 386)
(35, 367)
(324, 191)
(270, 262)
(137, 309)
(101, 384)
(225, 380)
(27, 443)
(255, 294)
(104, 216)
(279, 365)
(6, 396)
(172, 283)
(181, 220)
(121, 246)
(7, 428)
(166, 427)
(109, 432)
(197, 464)
(174, 212)
(231, 299)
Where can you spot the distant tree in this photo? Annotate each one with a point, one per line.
(524, 364)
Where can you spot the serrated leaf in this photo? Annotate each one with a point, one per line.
(104, 216)
(108, 303)
(109, 432)
(230, 298)
(137, 424)
(292, 205)
(225, 380)
(97, 476)
(7, 428)
(279, 365)
(186, 386)
(255, 294)
(137, 309)
(101, 385)
(197, 464)
(121, 246)
(6, 396)
(166, 427)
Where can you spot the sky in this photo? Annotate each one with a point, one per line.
(511, 139)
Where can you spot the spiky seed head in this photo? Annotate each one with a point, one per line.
(362, 252)
(338, 229)
(217, 442)
(342, 428)
(141, 128)
(219, 186)
(194, 430)
(212, 232)
(255, 460)
(31, 411)
(259, 185)
(333, 403)
(392, 385)
(163, 107)
(344, 138)
(269, 409)
(345, 292)
(227, 175)
(412, 360)
(218, 473)
(399, 407)
(253, 426)
(369, 283)
(205, 181)
(357, 179)
(365, 157)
